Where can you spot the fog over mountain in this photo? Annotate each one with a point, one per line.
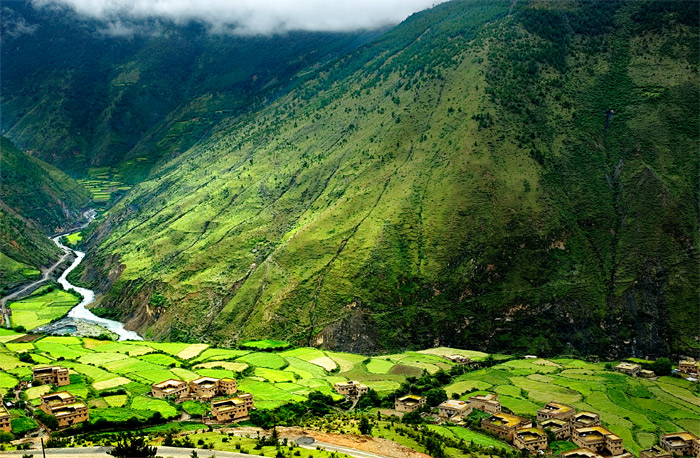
(246, 17)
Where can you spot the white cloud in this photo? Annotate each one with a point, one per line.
(252, 16)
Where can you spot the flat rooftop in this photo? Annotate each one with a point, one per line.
(530, 434)
(410, 399)
(455, 404)
(505, 420)
(68, 409)
(595, 432)
(581, 453)
(169, 383)
(556, 407)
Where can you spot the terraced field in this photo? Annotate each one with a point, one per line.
(115, 379)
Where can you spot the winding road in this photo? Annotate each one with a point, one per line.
(80, 311)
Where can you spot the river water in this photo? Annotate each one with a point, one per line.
(80, 311)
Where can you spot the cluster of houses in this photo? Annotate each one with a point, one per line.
(688, 368)
(232, 408)
(69, 411)
(63, 405)
(583, 428)
(634, 370)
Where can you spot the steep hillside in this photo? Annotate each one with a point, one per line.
(484, 176)
(81, 97)
(36, 200)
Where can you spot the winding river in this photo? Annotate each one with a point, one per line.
(80, 311)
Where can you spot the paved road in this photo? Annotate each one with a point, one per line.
(174, 452)
(341, 449)
(101, 452)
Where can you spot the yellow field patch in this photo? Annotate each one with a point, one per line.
(325, 362)
(111, 383)
(192, 351)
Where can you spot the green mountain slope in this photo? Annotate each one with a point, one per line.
(462, 181)
(36, 200)
(80, 98)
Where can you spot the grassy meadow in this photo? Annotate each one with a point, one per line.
(115, 379)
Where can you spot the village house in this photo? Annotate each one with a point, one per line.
(598, 439)
(409, 403)
(52, 375)
(532, 439)
(681, 444)
(644, 373)
(560, 428)
(169, 388)
(555, 410)
(489, 403)
(67, 410)
(351, 389)
(655, 452)
(504, 425)
(232, 409)
(5, 424)
(458, 359)
(628, 368)
(454, 409)
(209, 387)
(584, 419)
(688, 367)
(580, 453)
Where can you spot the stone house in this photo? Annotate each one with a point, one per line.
(504, 425)
(454, 409)
(351, 389)
(555, 410)
(629, 369)
(489, 403)
(584, 419)
(209, 387)
(52, 375)
(580, 453)
(560, 428)
(169, 388)
(655, 452)
(409, 403)
(688, 367)
(681, 444)
(232, 409)
(598, 439)
(532, 439)
(5, 424)
(67, 410)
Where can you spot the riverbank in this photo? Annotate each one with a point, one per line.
(79, 321)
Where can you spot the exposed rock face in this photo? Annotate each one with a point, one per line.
(354, 333)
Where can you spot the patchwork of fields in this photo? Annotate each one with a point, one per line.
(115, 378)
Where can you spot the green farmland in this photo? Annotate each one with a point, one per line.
(42, 308)
(115, 379)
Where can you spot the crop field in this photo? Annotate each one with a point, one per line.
(74, 238)
(638, 410)
(37, 310)
(102, 182)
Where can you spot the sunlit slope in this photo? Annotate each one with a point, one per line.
(452, 183)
